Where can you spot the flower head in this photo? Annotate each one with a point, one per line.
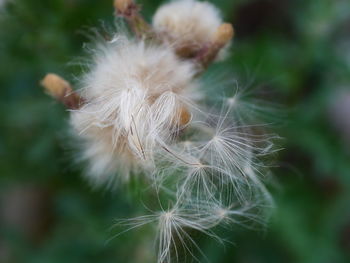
(139, 109)
(137, 96)
(190, 25)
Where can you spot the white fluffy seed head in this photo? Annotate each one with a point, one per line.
(136, 97)
(187, 23)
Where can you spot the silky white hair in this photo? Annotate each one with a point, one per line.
(176, 224)
(137, 98)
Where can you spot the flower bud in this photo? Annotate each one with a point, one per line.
(122, 6)
(61, 90)
(224, 34)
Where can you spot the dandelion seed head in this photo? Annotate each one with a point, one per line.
(137, 97)
(139, 111)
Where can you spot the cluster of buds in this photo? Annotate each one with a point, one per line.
(140, 110)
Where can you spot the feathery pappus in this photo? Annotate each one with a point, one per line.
(137, 98)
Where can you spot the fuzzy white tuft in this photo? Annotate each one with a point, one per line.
(187, 23)
(176, 225)
(136, 98)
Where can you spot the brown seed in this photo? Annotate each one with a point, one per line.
(185, 116)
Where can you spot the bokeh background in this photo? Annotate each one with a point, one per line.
(297, 50)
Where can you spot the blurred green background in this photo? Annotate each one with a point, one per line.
(297, 50)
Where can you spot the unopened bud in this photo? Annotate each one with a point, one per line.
(222, 37)
(56, 86)
(61, 90)
(122, 6)
(224, 34)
